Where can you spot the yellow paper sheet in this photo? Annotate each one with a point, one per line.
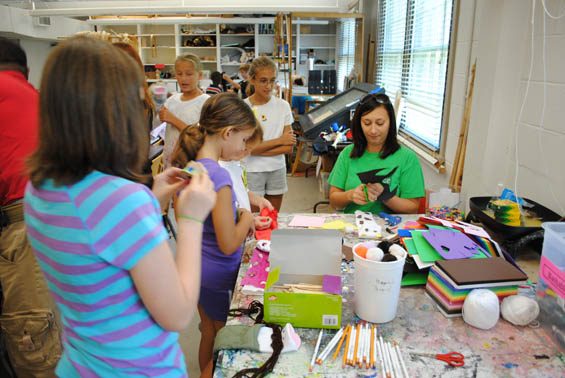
(337, 225)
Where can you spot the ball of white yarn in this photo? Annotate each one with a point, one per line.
(481, 309)
(519, 310)
(398, 251)
(375, 254)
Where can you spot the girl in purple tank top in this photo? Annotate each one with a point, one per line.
(226, 125)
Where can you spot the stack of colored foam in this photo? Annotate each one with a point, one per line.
(506, 212)
(449, 281)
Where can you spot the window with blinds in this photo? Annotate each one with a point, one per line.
(413, 39)
(346, 50)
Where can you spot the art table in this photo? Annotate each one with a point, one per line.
(503, 351)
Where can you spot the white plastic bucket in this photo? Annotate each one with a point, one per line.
(377, 288)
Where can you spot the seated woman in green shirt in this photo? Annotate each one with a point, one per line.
(396, 181)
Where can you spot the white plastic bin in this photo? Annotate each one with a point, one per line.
(550, 289)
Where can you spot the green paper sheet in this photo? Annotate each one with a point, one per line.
(415, 278)
(410, 246)
(426, 252)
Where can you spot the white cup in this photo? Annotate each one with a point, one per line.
(377, 288)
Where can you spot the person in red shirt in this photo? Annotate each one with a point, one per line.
(30, 332)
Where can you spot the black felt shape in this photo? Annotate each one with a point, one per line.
(385, 246)
(389, 257)
(373, 176)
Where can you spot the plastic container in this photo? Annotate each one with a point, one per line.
(550, 289)
(446, 203)
(377, 288)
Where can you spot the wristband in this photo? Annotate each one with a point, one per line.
(191, 218)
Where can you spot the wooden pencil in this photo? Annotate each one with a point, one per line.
(393, 361)
(360, 353)
(346, 350)
(328, 349)
(385, 354)
(381, 357)
(356, 345)
(403, 365)
(316, 349)
(372, 362)
(351, 357)
(341, 342)
(368, 346)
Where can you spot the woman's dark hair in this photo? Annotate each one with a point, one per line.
(367, 105)
(90, 114)
(218, 112)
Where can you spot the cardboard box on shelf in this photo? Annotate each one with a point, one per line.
(304, 257)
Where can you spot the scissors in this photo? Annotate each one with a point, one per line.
(452, 358)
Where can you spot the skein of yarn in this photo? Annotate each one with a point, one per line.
(481, 309)
(519, 310)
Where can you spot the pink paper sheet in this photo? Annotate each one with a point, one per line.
(307, 221)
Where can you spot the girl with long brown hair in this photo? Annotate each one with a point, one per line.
(226, 124)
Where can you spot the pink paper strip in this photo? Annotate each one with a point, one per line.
(306, 221)
(552, 275)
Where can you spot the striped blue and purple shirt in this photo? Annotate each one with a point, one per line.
(86, 238)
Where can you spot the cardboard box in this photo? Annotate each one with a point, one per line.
(308, 256)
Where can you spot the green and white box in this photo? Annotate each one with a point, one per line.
(304, 256)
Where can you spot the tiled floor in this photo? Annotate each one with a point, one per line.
(303, 193)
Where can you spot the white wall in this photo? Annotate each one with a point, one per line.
(36, 52)
(498, 35)
(18, 22)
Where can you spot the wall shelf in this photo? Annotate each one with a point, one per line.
(171, 33)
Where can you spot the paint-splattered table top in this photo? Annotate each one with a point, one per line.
(503, 351)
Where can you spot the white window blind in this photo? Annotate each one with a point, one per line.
(346, 50)
(412, 48)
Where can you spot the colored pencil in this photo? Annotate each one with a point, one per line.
(343, 336)
(404, 370)
(316, 349)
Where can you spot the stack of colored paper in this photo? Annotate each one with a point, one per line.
(449, 281)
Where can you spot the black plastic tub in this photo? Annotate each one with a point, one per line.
(479, 204)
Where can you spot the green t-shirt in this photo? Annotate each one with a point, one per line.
(407, 177)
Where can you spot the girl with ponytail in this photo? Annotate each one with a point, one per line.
(226, 125)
